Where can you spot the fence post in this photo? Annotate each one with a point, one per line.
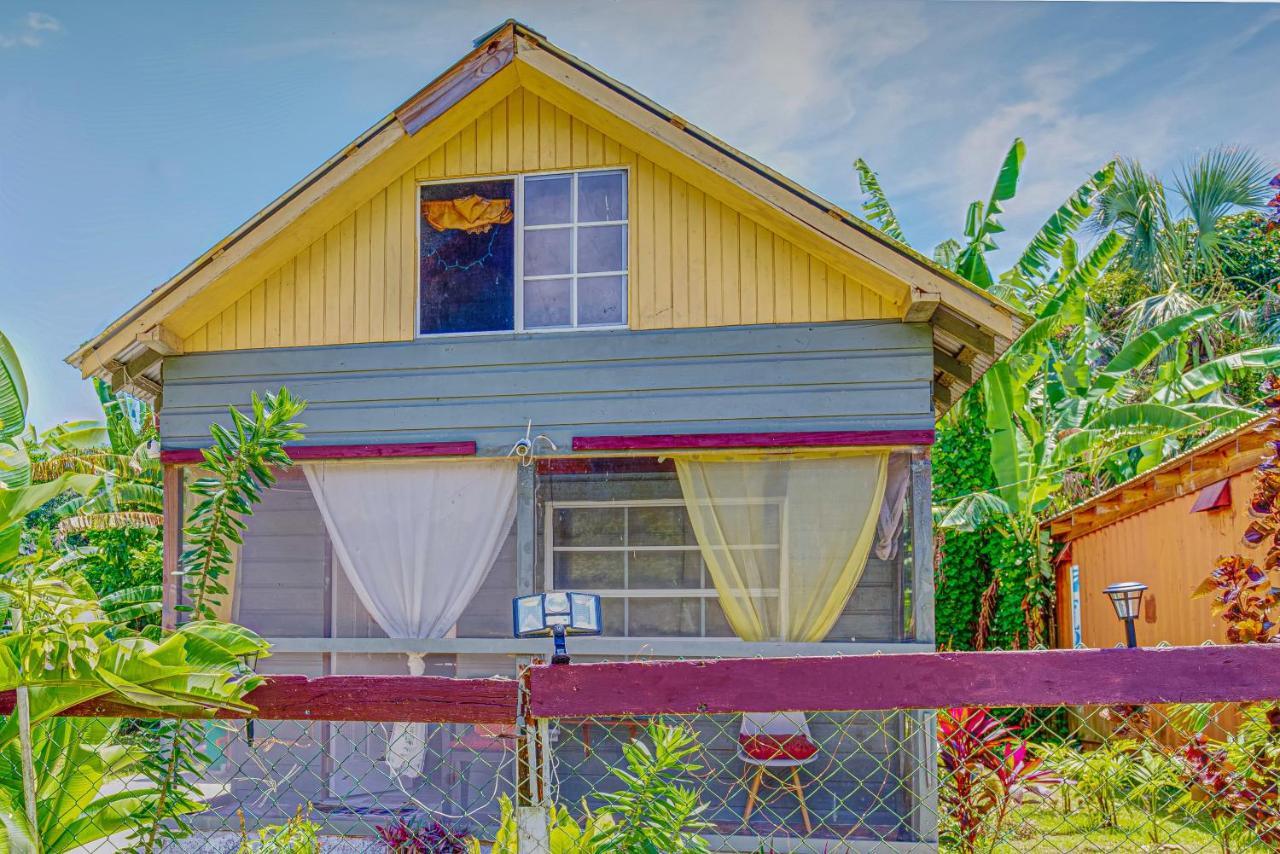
(924, 774)
(533, 831)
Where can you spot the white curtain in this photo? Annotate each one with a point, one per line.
(416, 539)
(892, 509)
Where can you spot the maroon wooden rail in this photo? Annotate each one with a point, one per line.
(913, 681)
(1222, 674)
(182, 456)
(418, 699)
(842, 438)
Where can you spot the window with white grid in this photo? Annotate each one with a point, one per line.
(641, 557)
(574, 250)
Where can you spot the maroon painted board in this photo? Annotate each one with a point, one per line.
(1215, 496)
(345, 452)
(417, 699)
(910, 681)
(842, 438)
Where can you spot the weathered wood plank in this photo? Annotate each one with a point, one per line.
(415, 699)
(839, 438)
(459, 81)
(915, 681)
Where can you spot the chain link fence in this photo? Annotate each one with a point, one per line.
(1157, 777)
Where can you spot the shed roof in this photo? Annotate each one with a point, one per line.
(971, 327)
(1200, 466)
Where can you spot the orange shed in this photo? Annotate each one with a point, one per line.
(1164, 528)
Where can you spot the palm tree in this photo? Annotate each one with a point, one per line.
(1175, 237)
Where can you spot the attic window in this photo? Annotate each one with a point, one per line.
(536, 252)
(1215, 496)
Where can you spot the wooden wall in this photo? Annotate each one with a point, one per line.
(1167, 548)
(869, 375)
(694, 261)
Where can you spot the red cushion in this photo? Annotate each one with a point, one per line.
(763, 747)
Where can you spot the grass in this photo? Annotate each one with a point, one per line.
(1043, 828)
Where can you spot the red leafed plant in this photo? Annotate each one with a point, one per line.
(987, 770)
(1241, 794)
(1242, 591)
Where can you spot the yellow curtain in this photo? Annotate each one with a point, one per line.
(785, 538)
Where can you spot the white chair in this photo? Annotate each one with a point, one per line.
(778, 725)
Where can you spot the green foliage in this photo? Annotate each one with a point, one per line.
(1100, 776)
(88, 785)
(241, 463)
(13, 392)
(565, 834)
(120, 559)
(1252, 254)
(876, 206)
(652, 813)
(982, 223)
(299, 835)
(962, 466)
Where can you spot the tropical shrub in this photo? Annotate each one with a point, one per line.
(299, 835)
(565, 835)
(652, 813)
(241, 463)
(87, 786)
(1238, 795)
(1241, 591)
(425, 836)
(986, 770)
(1100, 777)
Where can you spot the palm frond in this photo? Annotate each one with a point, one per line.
(1048, 241)
(876, 206)
(97, 461)
(946, 253)
(109, 522)
(1134, 204)
(1219, 182)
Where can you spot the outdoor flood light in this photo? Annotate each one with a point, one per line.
(557, 614)
(1126, 598)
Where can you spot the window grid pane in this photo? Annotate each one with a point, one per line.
(650, 534)
(602, 302)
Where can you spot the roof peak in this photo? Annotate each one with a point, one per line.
(509, 22)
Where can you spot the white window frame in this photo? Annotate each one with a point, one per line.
(517, 195)
(707, 592)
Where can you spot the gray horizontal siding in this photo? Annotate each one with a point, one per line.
(842, 376)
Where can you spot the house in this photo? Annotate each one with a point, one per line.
(1165, 528)
(728, 386)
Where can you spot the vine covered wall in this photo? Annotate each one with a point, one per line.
(969, 611)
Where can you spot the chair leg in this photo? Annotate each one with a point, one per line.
(752, 791)
(804, 810)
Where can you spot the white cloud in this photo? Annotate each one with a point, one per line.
(31, 32)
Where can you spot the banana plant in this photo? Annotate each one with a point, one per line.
(88, 787)
(1022, 284)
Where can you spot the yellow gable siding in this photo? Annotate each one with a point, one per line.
(694, 261)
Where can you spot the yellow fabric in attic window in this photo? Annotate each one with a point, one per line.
(785, 539)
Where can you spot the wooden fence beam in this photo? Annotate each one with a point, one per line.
(415, 699)
(918, 681)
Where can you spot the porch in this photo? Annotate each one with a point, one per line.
(623, 528)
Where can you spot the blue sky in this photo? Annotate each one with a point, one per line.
(133, 136)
